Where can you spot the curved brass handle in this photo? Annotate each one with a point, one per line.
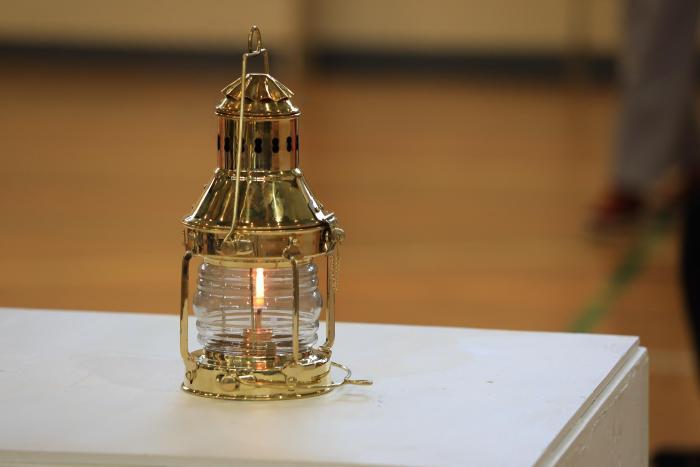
(252, 52)
(251, 380)
(346, 380)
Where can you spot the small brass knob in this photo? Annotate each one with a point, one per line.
(228, 382)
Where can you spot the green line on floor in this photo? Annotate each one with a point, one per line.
(628, 269)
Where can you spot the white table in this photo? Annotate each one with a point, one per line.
(103, 389)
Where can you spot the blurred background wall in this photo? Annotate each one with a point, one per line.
(462, 144)
(505, 26)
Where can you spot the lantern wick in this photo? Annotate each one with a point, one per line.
(257, 319)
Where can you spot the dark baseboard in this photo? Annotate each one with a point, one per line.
(501, 64)
(99, 55)
(550, 66)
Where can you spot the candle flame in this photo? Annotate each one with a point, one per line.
(259, 288)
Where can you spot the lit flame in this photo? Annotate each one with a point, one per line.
(259, 288)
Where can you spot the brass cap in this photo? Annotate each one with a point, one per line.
(264, 98)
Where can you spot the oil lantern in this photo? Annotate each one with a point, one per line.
(260, 234)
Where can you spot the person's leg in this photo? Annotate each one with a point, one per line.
(658, 83)
(689, 147)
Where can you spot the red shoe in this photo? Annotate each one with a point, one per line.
(617, 209)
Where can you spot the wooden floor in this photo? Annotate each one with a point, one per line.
(464, 202)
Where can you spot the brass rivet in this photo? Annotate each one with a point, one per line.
(228, 383)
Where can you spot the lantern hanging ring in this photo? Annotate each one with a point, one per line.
(254, 34)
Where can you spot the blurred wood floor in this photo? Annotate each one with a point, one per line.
(464, 201)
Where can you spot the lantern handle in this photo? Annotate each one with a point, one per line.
(346, 379)
(296, 355)
(187, 357)
(254, 37)
(332, 270)
(253, 380)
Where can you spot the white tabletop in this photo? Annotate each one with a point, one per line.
(103, 388)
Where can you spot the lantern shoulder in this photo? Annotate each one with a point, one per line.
(267, 201)
(273, 208)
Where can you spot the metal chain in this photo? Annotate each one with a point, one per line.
(335, 267)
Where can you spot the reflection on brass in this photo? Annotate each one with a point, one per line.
(280, 201)
(258, 212)
(264, 98)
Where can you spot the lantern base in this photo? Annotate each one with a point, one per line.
(222, 377)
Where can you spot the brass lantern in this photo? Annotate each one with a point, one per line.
(259, 231)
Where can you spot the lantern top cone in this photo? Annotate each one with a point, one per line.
(263, 97)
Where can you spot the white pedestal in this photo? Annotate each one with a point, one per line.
(103, 389)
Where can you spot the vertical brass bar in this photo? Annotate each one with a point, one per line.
(224, 313)
(295, 316)
(330, 304)
(184, 308)
(239, 150)
(252, 300)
